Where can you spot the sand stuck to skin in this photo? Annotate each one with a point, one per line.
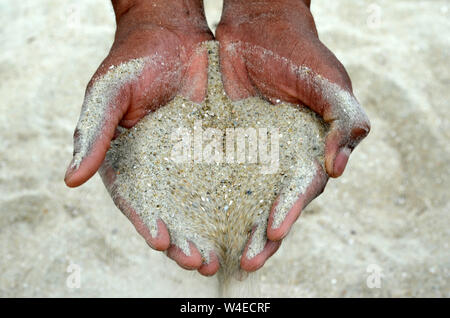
(213, 198)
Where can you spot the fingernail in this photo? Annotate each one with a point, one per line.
(341, 161)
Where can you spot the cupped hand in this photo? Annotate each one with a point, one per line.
(271, 48)
(156, 55)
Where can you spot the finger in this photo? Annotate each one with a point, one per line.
(189, 262)
(235, 77)
(105, 103)
(160, 240)
(345, 134)
(284, 213)
(195, 81)
(210, 268)
(256, 262)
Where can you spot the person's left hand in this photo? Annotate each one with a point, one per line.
(271, 48)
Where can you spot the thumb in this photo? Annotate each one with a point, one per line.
(349, 124)
(326, 88)
(339, 108)
(106, 101)
(322, 84)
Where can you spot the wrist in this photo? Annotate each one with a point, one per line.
(273, 2)
(176, 14)
(236, 12)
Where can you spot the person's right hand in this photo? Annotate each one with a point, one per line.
(160, 40)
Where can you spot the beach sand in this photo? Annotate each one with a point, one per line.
(389, 211)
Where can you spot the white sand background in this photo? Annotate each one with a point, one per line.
(390, 209)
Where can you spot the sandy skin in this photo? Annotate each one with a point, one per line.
(138, 35)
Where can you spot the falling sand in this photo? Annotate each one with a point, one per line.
(216, 192)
